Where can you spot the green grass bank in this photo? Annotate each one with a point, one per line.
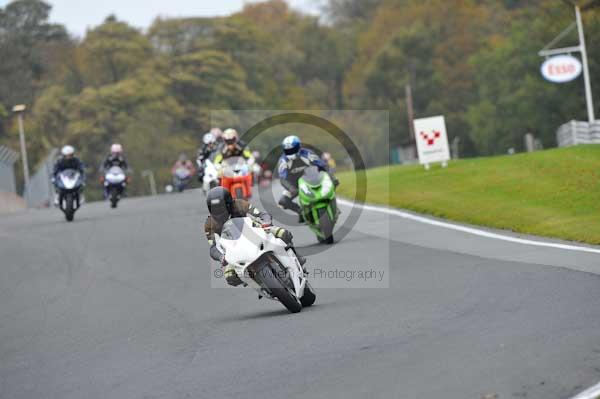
(553, 193)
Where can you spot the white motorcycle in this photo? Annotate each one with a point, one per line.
(115, 181)
(211, 175)
(69, 184)
(263, 263)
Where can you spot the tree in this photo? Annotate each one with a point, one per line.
(111, 52)
(513, 98)
(25, 38)
(207, 80)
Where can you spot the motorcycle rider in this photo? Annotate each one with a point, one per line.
(218, 134)
(233, 147)
(183, 162)
(115, 158)
(328, 159)
(68, 160)
(209, 145)
(292, 164)
(222, 207)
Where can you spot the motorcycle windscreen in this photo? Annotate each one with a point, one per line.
(312, 176)
(69, 178)
(233, 229)
(115, 175)
(115, 170)
(235, 166)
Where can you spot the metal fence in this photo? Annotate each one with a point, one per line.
(8, 158)
(575, 133)
(39, 193)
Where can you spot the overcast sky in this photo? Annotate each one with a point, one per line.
(77, 15)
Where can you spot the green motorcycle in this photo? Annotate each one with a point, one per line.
(317, 200)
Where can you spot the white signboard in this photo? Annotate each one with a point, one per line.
(561, 68)
(432, 140)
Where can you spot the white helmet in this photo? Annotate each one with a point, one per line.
(67, 150)
(116, 148)
(208, 138)
(230, 136)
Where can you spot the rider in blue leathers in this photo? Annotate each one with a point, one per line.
(292, 164)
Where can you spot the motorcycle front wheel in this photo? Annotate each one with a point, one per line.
(268, 278)
(69, 208)
(326, 226)
(114, 197)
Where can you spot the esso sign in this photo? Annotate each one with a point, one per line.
(561, 68)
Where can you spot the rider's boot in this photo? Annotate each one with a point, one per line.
(231, 276)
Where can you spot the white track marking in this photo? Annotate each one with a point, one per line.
(590, 393)
(469, 230)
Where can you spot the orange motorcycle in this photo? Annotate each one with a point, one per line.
(236, 177)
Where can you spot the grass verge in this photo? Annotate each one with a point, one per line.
(553, 193)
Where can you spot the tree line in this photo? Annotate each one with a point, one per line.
(475, 61)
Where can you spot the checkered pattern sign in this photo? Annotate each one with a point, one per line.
(432, 140)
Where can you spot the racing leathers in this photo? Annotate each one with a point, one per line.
(64, 163)
(242, 208)
(236, 150)
(114, 160)
(291, 169)
(187, 164)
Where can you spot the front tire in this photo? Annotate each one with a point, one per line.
(269, 279)
(326, 226)
(69, 209)
(114, 197)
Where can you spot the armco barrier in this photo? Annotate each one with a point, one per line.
(8, 158)
(575, 133)
(39, 192)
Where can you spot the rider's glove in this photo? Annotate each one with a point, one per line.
(335, 180)
(285, 235)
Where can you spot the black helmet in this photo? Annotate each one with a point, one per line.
(219, 203)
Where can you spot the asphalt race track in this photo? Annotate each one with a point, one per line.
(119, 304)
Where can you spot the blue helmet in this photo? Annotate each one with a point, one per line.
(291, 145)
